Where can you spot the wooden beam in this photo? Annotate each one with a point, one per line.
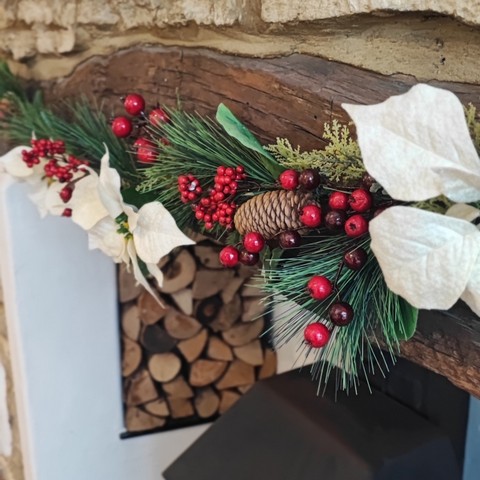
(281, 97)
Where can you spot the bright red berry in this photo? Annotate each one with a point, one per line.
(121, 127)
(316, 335)
(158, 116)
(229, 256)
(253, 242)
(311, 216)
(289, 179)
(356, 226)
(319, 287)
(338, 201)
(145, 150)
(360, 200)
(134, 104)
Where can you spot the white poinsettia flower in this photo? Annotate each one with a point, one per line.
(129, 235)
(85, 202)
(417, 146)
(13, 164)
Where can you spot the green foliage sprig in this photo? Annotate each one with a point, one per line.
(340, 161)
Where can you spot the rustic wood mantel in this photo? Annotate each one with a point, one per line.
(286, 97)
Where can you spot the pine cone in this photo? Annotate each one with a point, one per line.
(272, 212)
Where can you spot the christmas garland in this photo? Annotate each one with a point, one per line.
(356, 237)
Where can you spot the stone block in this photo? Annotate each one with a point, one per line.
(283, 11)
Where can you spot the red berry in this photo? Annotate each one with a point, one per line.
(158, 116)
(67, 212)
(248, 258)
(253, 242)
(338, 201)
(289, 239)
(229, 256)
(316, 335)
(66, 194)
(356, 226)
(341, 314)
(360, 200)
(335, 219)
(289, 179)
(121, 127)
(145, 150)
(311, 216)
(355, 259)
(134, 104)
(309, 179)
(319, 287)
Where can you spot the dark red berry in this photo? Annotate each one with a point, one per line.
(340, 314)
(121, 127)
(356, 226)
(316, 335)
(360, 200)
(319, 287)
(228, 255)
(289, 179)
(311, 216)
(134, 104)
(355, 259)
(338, 201)
(158, 116)
(248, 258)
(309, 179)
(253, 242)
(335, 219)
(67, 212)
(289, 239)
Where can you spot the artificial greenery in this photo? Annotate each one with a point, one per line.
(340, 161)
(82, 126)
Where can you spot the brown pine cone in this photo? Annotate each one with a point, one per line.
(272, 212)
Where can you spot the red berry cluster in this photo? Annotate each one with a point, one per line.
(218, 207)
(253, 244)
(59, 166)
(189, 188)
(42, 148)
(359, 202)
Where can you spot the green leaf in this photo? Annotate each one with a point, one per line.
(236, 129)
(136, 198)
(407, 324)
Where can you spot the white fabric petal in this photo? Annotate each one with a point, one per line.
(105, 237)
(417, 145)
(463, 211)
(471, 295)
(109, 187)
(53, 203)
(87, 207)
(13, 164)
(38, 195)
(425, 257)
(156, 233)
(137, 272)
(156, 273)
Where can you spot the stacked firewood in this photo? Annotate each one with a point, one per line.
(193, 358)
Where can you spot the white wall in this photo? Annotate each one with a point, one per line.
(61, 310)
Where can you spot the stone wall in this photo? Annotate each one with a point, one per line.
(424, 38)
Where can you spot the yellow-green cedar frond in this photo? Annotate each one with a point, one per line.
(473, 125)
(340, 161)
